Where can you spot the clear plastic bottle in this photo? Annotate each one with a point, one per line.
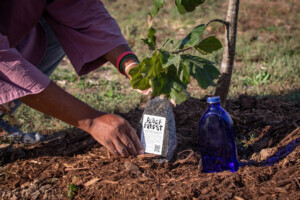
(217, 143)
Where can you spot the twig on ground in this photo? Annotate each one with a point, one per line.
(185, 159)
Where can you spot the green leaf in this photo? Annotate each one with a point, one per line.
(167, 59)
(72, 190)
(208, 45)
(184, 74)
(201, 69)
(145, 71)
(178, 93)
(160, 85)
(193, 38)
(167, 83)
(150, 45)
(158, 4)
(151, 39)
(184, 6)
(139, 81)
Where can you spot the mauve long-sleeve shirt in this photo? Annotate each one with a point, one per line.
(84, 29)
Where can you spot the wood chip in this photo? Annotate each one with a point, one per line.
(145, 166)
(238, 198)
(68, 165)
(107, 181)
(147, 156)
(281, 190)
(292, 136)
(5, 147)
(91, 182)
(27, 184)
(35, 162)
(284, 182)
(81, 168)
(132, 168)
(205, 190)
(297, 182)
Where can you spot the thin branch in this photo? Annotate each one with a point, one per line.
(181, 50)
(213, 20)
(218, 20)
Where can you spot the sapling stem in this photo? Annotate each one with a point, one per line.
(223, 83)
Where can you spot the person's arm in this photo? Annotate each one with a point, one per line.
(112, 131)
(90, 37)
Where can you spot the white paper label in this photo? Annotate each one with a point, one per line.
(153, 128)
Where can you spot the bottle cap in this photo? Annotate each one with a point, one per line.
(213, 99)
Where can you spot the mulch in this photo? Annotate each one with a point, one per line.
(267, 135)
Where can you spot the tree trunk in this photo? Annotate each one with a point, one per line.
(229, 51)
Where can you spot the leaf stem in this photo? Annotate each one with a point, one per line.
(181, 50)
(218, 20)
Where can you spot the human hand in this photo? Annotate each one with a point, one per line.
(112, 131)
(127, 69)
(116, 134)
(144, 92)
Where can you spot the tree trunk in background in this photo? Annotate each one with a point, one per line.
(229, 50)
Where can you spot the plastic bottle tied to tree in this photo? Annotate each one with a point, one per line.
(217, 142)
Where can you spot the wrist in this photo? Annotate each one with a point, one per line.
(125, 59)
(131, 63)
(87, 123)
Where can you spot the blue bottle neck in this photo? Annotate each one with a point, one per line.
(214, 105)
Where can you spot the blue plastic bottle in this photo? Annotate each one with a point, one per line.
(217, 143)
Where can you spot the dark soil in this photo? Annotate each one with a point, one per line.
(267, 134)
